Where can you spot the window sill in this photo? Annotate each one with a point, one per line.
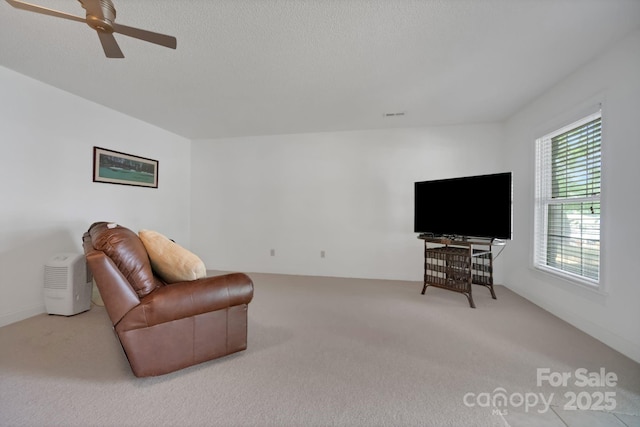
(576, 281)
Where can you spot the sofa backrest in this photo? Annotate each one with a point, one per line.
(128, 253)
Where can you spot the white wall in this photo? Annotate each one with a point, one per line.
(347, 193)
(613, 79)
(48, 198)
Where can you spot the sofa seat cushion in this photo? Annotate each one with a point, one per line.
(127, 252)
(169, 260)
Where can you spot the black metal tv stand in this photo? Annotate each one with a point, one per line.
(456, 264)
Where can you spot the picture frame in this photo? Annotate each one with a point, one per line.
(115, 167)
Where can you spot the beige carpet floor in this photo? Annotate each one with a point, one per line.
(324, 352)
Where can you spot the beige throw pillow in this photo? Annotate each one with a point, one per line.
(169, 260)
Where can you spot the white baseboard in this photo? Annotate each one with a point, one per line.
(610, 338)
(24, 313)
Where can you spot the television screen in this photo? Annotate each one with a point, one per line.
(471, 206)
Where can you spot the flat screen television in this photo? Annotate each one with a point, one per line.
(470, 206)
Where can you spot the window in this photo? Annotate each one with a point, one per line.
(567, 217)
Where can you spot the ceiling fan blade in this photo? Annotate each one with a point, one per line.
(43, 10)
(148, 36)
(109, 45)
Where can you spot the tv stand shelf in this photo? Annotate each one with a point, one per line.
(457, 264)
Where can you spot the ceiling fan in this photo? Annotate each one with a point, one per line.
(101, 16)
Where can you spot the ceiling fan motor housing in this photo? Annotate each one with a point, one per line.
(103, 18)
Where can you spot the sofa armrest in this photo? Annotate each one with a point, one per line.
(118, 296)
(186, 299)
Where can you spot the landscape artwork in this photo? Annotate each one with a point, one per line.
(114, 167)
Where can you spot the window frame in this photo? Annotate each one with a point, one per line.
(543, 196)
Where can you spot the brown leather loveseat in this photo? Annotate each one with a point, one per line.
(164, 327)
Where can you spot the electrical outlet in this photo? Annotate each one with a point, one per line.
(273, 252)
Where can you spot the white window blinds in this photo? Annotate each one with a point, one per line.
(567, 230)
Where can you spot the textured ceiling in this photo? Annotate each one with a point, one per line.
(258, 67)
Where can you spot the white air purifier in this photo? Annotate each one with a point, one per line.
(67, 284)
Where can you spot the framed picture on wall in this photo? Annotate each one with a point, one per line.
(114, 167)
